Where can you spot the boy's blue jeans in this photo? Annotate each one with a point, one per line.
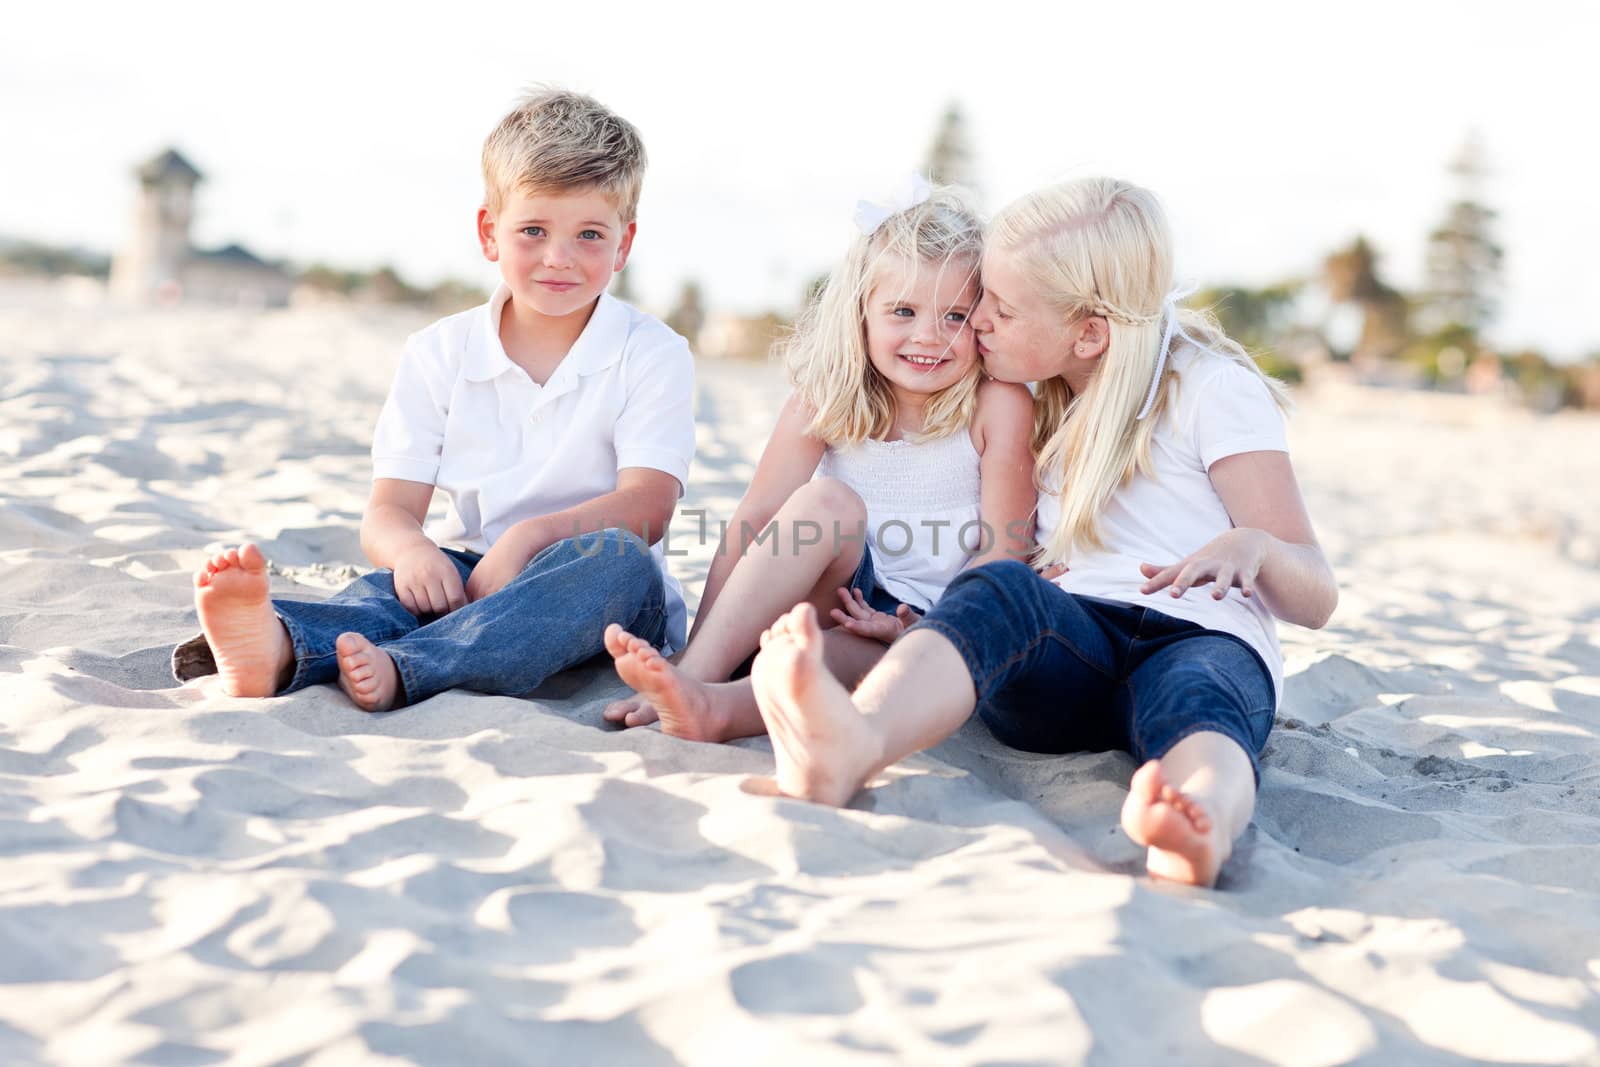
(1059, 672)
(552, 616)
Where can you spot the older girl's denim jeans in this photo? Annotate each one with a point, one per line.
(1059, 672)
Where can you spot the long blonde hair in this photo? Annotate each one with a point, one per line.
(826, 354)
(1099, 246)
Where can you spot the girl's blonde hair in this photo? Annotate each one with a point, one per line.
(1098, 246)
(826, 353)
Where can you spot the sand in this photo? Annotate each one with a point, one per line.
(190, 878)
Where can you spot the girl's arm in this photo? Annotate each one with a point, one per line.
(1272, 551)
(1002, 431)
(787, 463)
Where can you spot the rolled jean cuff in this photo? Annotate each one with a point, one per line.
(964, 648)
(1169, 743)
(308, 669)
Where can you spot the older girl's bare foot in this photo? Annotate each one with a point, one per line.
(247, 639)
(825, 749)
(366, 673)
(1184, 842)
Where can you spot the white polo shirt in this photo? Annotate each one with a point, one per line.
(1220, 409)
(463, 417)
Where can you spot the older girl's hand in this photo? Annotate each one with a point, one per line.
(1232, 559)
(863, 620)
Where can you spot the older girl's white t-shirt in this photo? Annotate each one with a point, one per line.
(1219, 409)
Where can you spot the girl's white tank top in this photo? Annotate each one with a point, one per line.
(922, 510)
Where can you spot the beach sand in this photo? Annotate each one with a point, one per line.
(190, 878)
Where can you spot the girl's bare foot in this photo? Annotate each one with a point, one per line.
(1184, 842)
(635, 710)
(683, 704)
(366, 673)
(247, 639)
(825, 749)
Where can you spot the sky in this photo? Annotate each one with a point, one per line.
(350, 133)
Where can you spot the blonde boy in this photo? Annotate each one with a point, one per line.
(551, 412)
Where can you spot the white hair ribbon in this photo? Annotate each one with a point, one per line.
(1169, 311)
(912, 190)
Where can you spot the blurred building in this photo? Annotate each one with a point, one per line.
(160, 263)
(728, 336)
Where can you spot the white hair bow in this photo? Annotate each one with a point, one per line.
(912, 190)
(1169, 311)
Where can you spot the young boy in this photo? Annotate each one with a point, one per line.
(550, 412)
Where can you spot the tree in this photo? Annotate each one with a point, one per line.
(950, 158)
(1463, 260)
(689, 316)
(1351, 276)
(1256, 318)
(622, 287)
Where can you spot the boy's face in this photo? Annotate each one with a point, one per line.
(557, 250)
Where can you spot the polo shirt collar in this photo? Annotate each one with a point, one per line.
(599, 346)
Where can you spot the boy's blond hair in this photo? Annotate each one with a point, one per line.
(556, 140)
(1099, 246)
(827, 352)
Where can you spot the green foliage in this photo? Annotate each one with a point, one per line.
(1285, 370)
(950, 157)
(1444, 355)
(814, 288)
(29, 257)
(622, 286)
(688, 316)
(1256, 318)
(1351, 276)
(385, 285)
(327, 279)
(1259, 319)
(450, 296)
(1463, 259)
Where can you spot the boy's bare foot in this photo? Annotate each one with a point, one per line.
(1183, 840)
(824, 747)
(247, 639)
(683, 704)
(366, 673)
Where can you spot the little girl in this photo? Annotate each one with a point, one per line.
(923, 468)
(1180, 479)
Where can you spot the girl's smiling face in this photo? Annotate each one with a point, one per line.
(918, 336)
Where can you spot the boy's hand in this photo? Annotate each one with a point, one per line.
(427, 582)
(863, 620)
(503, 562)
